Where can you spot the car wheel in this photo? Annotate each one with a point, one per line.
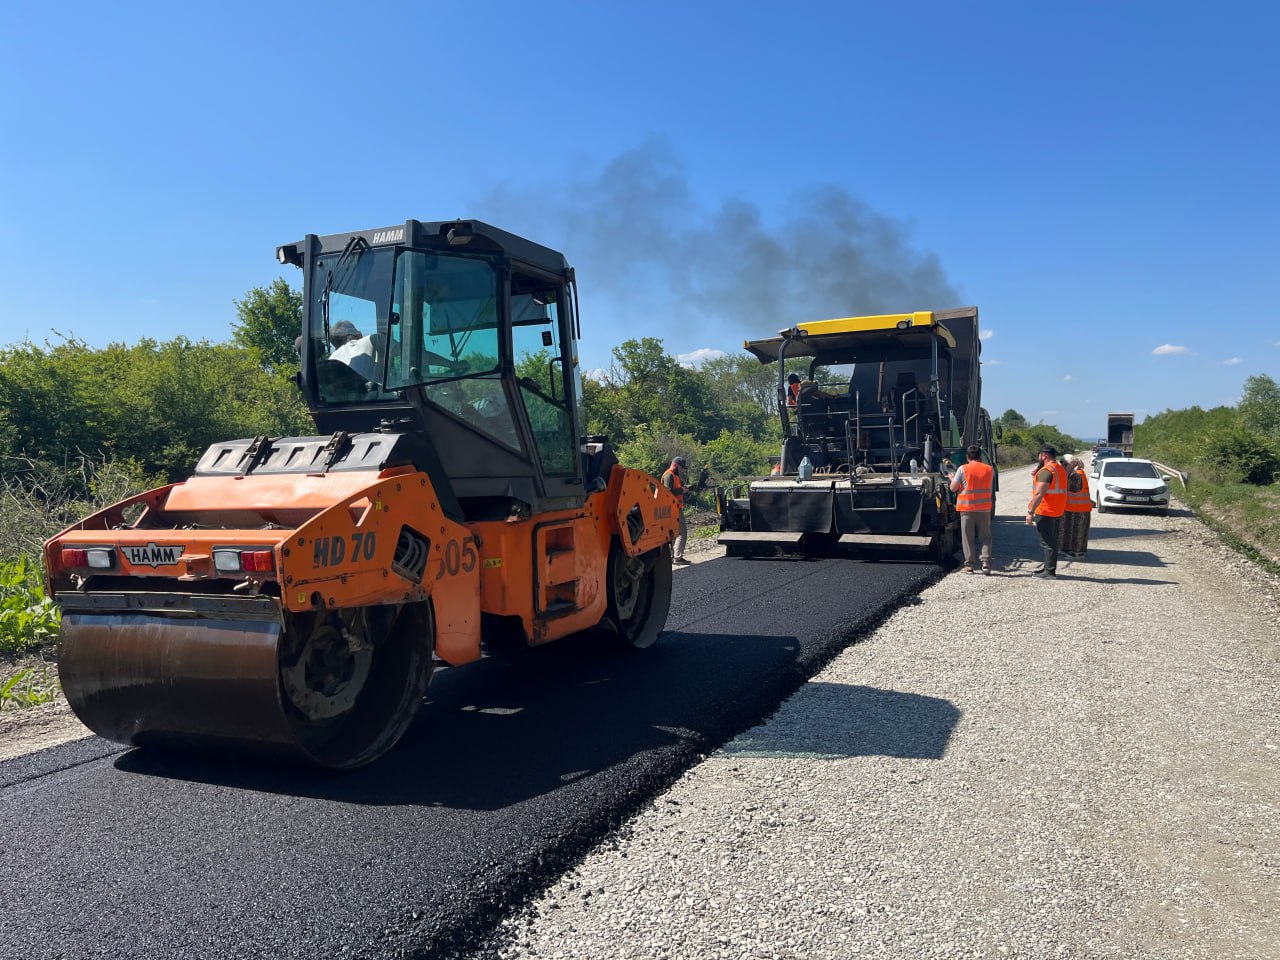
(1101, 508)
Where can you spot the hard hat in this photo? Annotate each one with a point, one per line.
(678, 460)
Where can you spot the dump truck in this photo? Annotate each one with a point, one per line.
(870, 437)
(294, 594)
(1120, 432)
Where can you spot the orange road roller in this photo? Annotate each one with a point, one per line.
(294, 593)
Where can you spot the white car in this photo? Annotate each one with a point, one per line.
(1130, 483)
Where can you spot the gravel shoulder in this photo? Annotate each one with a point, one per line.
(25, 730)
(1086, 767)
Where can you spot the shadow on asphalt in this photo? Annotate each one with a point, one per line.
(855, 722)
(515, 726)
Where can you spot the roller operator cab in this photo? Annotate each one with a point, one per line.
(294, 593)
(871, 434)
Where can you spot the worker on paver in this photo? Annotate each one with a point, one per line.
(973, 484)
(673, 480)
(1048, 504)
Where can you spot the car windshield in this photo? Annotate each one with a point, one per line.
(1135, 469)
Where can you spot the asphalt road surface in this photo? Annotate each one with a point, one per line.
(516, 767)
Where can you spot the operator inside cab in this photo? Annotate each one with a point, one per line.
(361, 353)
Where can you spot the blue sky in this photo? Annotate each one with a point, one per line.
(1099, 178)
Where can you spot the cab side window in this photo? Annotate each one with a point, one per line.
(537, 341)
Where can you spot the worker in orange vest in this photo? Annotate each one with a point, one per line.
(974, 485)
(1077, 519)
(1048, 504)
(673, 480)
(793, 389)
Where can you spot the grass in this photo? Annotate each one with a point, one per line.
(1245, 516)
(28, 687)
(28, 624)
(28, 619)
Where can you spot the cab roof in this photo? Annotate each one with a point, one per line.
(461, 235)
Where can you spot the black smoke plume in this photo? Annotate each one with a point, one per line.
(650, 255)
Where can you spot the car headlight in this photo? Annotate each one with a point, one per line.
(1163, 488)
(1111, 486)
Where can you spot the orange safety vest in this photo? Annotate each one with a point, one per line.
(677, 485)
(976, 495)
(1054, 502)
(1079, 501)
(794, 390)
(776, 471)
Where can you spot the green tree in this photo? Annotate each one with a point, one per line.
(269, 324)
(1012, 420)
(647, 386)
(1260, 405)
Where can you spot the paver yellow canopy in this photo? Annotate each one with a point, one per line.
(293, 594)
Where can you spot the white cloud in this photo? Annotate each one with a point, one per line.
(1067, 378)
(1169, 349)
(986, 334)
(695, 357)
(992, 363)
(1232, 362)
(599, 374)
(1048, 413)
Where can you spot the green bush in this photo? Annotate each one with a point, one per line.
(28, 619)
(1240, 455)
(1020, 444)
(733, 456)
(39, 498)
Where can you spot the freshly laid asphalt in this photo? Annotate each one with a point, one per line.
(517, 766)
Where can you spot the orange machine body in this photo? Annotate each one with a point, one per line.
(336, 541)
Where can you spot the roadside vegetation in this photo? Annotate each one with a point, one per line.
(1231, 459)
(1020, 440)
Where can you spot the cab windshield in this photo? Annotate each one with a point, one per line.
(385, 320)
(446, 319)
(381, 323)
(349, 321)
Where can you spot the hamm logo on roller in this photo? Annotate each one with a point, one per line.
(152, 555)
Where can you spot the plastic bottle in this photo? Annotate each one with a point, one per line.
(915, 467)
(805, 470)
